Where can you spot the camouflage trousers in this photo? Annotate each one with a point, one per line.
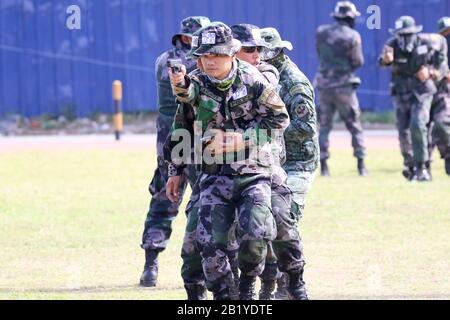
(285, 252)
(222, 198)
(192, 270)
(343, 99)
(413, 117)
(162, 212)
(440, 121)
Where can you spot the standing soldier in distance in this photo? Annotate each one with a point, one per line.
(340, 53)
(158, 224)
(440, 110)
(302, 159)
(412, 59)
(226, 94)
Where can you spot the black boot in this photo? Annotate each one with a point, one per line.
(267, 290)
(247, 288)
(282, 284)
(324, 172)
(362, 170)
(447, 165)
(196, 292)
(222, 295)
(421, 173)
(296, 288)
(408, 172)
(150, 274)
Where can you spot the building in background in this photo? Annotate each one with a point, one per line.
(45, 68)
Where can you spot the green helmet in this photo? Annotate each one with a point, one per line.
(189, 26)
(215, 38)
(272, 36)
(405, 25)
(345, 9)
(443, 24)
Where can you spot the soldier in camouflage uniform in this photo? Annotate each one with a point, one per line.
(252, 46)
(413, 62)
(302, 158)
(158, 224)
(226, 94)
(192, 271)
(440, 110)
(340, 53)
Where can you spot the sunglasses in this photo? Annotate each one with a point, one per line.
(252, 49)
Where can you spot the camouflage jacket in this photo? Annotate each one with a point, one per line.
(448, 48)
(407, 64)
(440, 56)
(301, 138)
(167, 105)
(251, 106)
(340, 53)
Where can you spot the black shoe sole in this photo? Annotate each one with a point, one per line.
(147, 284)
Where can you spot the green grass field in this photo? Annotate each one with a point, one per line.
(71, 222)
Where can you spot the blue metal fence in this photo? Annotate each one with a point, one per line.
(45, 68)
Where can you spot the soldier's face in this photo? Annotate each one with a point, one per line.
(186, 40)
(406, 42)
(251, 55)
(217, 65)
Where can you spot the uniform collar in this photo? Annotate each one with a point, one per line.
(279, 61)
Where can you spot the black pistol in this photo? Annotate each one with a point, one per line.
(175, 65)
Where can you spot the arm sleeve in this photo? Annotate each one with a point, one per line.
(182, 126)
(272, 115)
(357, 56)
(302, 111)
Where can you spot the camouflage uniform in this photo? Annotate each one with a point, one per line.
(340, 53)
(158, 224)
(440, 107)
(302, 157)
(192, 271)
(440, 110)
(412, 98)
(242, 187)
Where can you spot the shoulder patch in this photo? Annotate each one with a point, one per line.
(301, 111)
(270, 98)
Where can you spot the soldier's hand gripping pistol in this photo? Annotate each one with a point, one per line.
(177, 72)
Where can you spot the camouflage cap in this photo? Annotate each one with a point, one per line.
(345, 9)
(249, 35)
(215, 38)
(272, 36)
(189, 26)
(443, 24)
(405, 25)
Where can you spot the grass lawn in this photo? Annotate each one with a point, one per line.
(71, 222)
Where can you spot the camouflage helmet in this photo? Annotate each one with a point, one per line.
(345, 9)
(249, 35)
(215, 38)
(443, 24)
(273, 38)
(189, 26)
(405, 25)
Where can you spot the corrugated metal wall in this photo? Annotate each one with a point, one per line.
(47, 69)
